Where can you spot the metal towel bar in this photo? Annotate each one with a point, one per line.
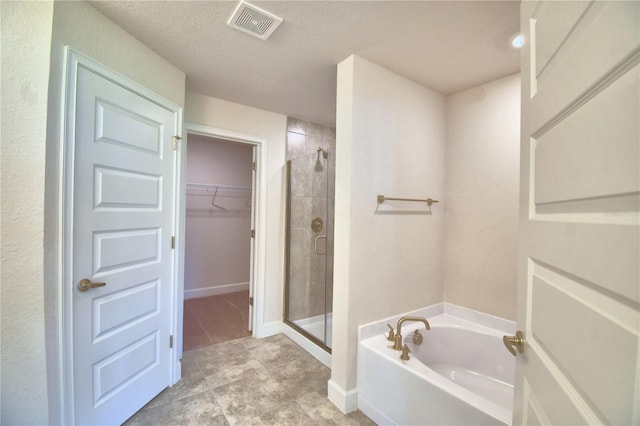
(429, 201)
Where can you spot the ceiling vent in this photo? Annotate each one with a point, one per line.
(253, 20)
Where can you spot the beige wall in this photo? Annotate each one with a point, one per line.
(25, 75)
(390, 140)
(86, 30)
(33, 39)
(481, 197)
(272, 127)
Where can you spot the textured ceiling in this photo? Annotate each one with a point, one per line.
(447, 46)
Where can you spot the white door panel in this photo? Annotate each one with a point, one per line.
(553, 24)
(597, 350)
(585, 250)
(572, 160)
(596, 48)
(579, 261)
(145, 190)
(553, 406)
(122, 224)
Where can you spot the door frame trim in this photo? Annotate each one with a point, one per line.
(260, 214)
(72, 61)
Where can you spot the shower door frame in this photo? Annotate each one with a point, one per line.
(285, 314)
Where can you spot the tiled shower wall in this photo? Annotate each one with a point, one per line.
(312, 195)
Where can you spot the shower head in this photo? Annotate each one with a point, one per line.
(325, 152)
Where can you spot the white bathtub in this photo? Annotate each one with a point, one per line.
(461, 374)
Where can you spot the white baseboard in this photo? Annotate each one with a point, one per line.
(268, 329)
(345, 401)
(215, 290)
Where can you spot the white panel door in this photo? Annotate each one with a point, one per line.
(123, 195)
(579, 261)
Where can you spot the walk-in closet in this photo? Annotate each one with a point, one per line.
(218, 241)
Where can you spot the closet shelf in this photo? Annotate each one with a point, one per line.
(215, 190)
(208, 190)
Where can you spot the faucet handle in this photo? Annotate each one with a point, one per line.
(392, 336)
(405, 353)
(417, 337)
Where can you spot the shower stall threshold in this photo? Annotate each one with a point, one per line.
(305, 343)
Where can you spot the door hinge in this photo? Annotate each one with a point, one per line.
(173, 242)
(255, 166)
(171, 342)
(251, 301)
(176, 138)
(253, 233)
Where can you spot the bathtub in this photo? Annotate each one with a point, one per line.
(461, 374)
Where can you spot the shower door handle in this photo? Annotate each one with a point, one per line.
(315, 245)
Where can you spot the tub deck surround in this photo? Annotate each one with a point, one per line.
(460, 374)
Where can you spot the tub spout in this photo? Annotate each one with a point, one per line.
(398, 341)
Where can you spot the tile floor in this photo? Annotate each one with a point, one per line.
(248, 381)
(215, 319)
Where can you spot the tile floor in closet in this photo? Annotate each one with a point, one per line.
(215, 319)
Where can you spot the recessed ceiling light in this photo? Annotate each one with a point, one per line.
(517, 41)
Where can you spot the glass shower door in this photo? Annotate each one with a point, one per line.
(309, 251)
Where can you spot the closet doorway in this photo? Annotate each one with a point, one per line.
(218, 240)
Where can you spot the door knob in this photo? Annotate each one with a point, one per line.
(86, 284)
(514, 342)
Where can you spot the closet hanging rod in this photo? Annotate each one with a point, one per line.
(429, 201)
(217, 188)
